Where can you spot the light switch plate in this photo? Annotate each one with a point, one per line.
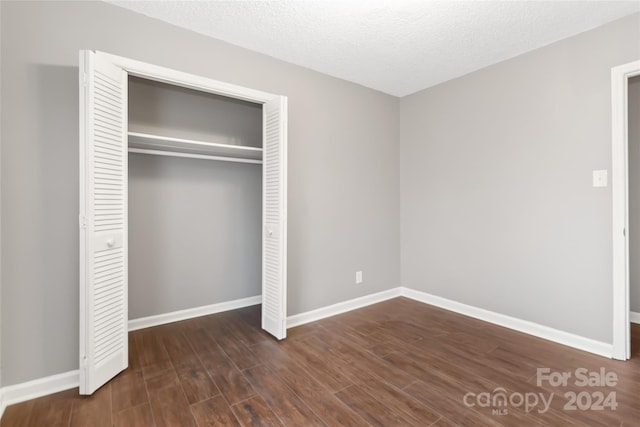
(600, 178)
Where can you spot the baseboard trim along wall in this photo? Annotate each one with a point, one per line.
(634, 317)
(530, 328)
(540, 331)
(190, 313)
(341, 307)
(40, 387)
(48, 385)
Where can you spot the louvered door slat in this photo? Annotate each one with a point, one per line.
(103, 238)
(274, 250)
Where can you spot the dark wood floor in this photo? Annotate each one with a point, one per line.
(395, 363)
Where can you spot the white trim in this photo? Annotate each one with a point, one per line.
(2, 404)
(192, 81)
(540, 331)
(178, 78)
(190, 313)
(52, 384)
(634, 317)
(341, 307)
(55, 383)
(41, 387)
(620, 207)
(530, 328)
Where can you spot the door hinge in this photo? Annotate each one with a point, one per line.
(83, 221)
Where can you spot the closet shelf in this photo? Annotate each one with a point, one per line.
(168, 146)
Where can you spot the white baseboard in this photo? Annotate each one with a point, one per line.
(55, 383)
(634, 317)
(545, 332)
(531, 328)
(190, 313)
(41, 387)
(341, 307)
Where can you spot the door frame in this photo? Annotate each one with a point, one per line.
(620, 75)
(275, 299)
(178, 78)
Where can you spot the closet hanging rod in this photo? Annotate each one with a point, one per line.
(193, 156)
(144, 141)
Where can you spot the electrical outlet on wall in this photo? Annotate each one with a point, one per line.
(358, 277)
(600, 178)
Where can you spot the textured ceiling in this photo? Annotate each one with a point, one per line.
(394, 46)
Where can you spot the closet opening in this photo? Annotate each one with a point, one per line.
(198, 234)
(195, 239)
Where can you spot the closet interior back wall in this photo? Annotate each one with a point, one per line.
(194, 225)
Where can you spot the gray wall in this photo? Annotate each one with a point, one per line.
(194, 225)
(343, 169)
(497, 207)
(634, 193)
(194, 233)
(494, 204)
(161, 109)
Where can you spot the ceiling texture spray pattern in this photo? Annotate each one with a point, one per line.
(395, 46)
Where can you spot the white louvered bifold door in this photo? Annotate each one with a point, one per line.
(103, 221)
(274, 212)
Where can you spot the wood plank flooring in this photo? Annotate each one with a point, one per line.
(397, 363)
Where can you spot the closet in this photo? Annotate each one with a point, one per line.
(106, 140)
(194, 223)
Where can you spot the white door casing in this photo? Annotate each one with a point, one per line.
(620, 76)
(103, 221)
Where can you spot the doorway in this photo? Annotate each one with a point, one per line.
(620, 78)
(104, 145)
